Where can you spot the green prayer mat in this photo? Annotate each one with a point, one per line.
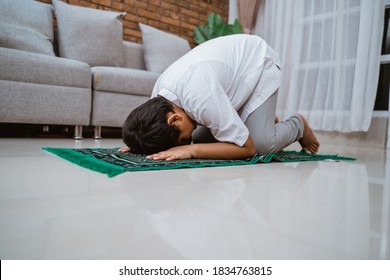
(112, 163)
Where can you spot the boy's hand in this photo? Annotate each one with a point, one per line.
(179, 152)
(124, 150)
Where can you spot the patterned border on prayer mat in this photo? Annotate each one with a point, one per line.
(112, 162)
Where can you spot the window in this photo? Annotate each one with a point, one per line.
(382, 96)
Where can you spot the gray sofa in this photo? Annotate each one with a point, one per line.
(79, 87)
(118, 90)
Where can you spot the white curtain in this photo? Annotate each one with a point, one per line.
(330, 53)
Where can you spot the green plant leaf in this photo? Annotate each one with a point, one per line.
(219, 31)
(199, 35)
(213, 21)
(237, 28)
(215, 27)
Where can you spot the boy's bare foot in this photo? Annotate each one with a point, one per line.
(309, 140)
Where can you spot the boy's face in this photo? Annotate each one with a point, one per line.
(184, 123)
(187, 126)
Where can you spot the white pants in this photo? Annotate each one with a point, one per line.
(267, 136)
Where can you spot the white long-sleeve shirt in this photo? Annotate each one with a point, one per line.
(221, 82)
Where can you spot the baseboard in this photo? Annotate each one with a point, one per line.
(375, 137)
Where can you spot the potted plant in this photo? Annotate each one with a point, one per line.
(215, 27)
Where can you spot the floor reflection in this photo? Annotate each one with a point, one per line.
(296, 211)
(311, 210)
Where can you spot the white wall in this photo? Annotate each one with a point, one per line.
(233, 13)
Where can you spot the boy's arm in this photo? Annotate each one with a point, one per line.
(217, 150)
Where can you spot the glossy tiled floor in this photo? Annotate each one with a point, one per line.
(52, 209)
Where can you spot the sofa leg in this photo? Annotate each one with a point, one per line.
(78, 132)
(97, 132)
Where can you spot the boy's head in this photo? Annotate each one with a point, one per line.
(155, 126)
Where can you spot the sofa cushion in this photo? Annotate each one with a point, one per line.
(124, 80)
(44, 104)
(89, 35)
(161, 49)
(28, 67)
(26, 25)
(133, 55)
(112, 109)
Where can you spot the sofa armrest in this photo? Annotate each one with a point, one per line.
(133, 55)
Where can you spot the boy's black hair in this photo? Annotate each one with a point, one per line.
(146, 130)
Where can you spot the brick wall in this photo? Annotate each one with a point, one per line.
(179, 17)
